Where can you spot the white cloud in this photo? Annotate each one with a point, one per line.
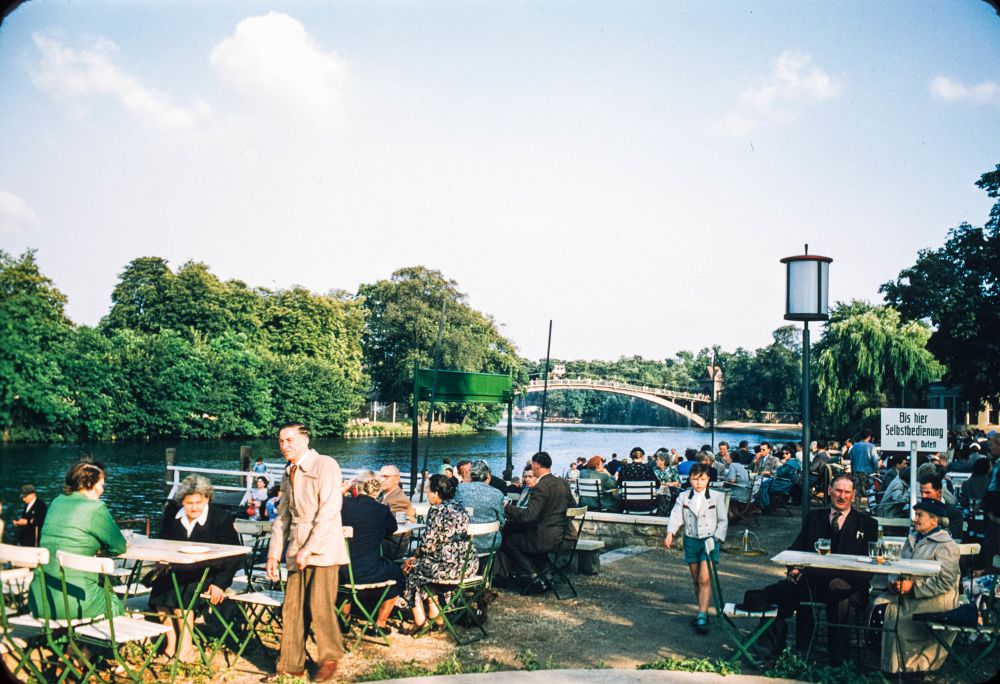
(944, 88)
(794, 83)
(274, 62)
(66, 73)
(15, 214)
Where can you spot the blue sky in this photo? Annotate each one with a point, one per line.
(633, 171)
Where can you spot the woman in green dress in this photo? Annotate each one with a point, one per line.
(77, 522)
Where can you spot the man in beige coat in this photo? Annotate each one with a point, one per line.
(309, 522)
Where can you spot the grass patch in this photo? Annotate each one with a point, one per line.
(693, 665)
(411, 668)
(791, 666)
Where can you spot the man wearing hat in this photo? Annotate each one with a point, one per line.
(911, 649)
(29, 525)
(849, 531)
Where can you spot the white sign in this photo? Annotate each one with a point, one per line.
(902, 426)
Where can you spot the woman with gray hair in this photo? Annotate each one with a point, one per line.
(190, 517)
(486, 503)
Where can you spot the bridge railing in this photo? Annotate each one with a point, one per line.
(659, 391)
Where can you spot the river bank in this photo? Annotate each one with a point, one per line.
(405, 429)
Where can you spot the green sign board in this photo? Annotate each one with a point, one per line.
(463, 388)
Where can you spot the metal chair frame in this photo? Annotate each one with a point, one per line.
(467, 589)
(725, 612)
(353, 593)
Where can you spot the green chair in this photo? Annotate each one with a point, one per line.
(111, 632)
(561, 560)
(355, 595)
(461, 596)
(728, 613)
(261, 614)
(25, 639)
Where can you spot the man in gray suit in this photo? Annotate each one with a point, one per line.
(309, 522)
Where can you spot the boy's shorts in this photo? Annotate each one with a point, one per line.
(694, 550)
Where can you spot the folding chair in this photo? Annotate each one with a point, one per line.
(354, 595)
(257, 535)
(728, 612)
(561, 560)
(111, 631)
(261, 613)
(588, 488)
(638, 498)
(462, 594)
(983, 639)
(30, 636)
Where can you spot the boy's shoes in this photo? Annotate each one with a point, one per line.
(701, 624)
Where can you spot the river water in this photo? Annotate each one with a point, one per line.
(135, 477)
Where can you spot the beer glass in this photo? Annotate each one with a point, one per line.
(822, 546)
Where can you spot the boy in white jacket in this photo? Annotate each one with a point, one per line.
(702, 512)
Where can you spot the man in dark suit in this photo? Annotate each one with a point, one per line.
(29, 524)
(849, 532)
(536, 529)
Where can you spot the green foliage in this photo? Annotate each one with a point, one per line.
(180, 355)
(530, 662)
(402, 317)
(869, 358)
(957, 289)
(693, 665)
(388, 669)
(791, 666)
(33, 391)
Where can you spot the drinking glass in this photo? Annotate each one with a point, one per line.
(401, 517)
(822, 546)
(876, 551)
(129, 536)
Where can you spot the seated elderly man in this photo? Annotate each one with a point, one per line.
(849, 531)
(911, 649)
(394, 547)
(486, 502)
(931, 488)
(392, 494)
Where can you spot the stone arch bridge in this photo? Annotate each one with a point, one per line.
(680, 402)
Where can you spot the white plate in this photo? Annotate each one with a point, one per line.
(194, 549)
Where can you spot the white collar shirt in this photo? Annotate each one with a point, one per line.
(189, 524)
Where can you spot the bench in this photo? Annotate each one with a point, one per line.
(588, 556)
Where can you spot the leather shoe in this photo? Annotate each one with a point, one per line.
(327, 671)
(535, 588)
(276, 676)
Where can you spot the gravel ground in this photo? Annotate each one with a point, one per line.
(635, 611)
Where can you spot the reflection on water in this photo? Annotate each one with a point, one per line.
(136, 470)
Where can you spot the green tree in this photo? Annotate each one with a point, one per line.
(869, 358)
(957, 289)
(91, 366)
(401, 328)
(34, 403)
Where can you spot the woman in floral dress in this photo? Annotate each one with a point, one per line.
(442, 550)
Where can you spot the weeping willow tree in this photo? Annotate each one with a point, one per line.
(867, 359)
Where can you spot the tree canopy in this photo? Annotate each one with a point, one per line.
(868, 358)
(402, 317)
(956, 288)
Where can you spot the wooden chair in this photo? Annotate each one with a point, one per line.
(728, 613)
(561, 560)
(588, 488)
(638, 498)
(464, 593)
(25, 640)
(982, 639)
(355, 595)
(111, 631)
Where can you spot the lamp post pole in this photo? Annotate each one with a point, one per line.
(805, 421)
(806, 291)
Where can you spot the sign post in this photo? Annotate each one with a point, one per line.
(916, 430)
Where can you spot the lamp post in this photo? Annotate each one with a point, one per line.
(806, 292)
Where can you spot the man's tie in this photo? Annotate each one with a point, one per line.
(291, 473)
